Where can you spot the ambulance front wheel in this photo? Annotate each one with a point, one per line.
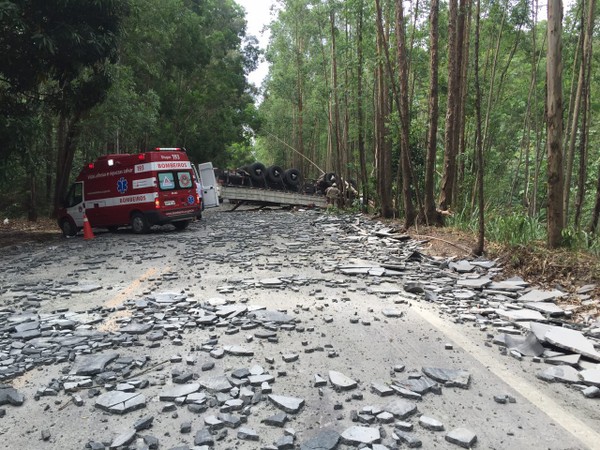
(139, 223)
(68, 227)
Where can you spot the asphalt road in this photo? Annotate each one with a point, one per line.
(279, 260)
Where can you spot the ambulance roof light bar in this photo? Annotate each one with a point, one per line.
(172, 149)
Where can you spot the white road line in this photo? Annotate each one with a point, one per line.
(587, 435)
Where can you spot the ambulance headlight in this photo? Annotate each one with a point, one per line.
(111, 162)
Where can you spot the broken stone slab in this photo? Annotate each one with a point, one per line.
(449, 377)
(203, 437)
(537, 295)
(171, 393)
(117, 402)
(528, 345)
(266, 315)
(358, 435)
(411, 440)
(564, 374)
(290, 405)
(474, 283)
(520, 315)
(591, 392)
(93, 364)
(123, 439)
(462, 437)
(462, 266)
(277, 420)
(591, 377)
(324, 440)
(392, 313)
(380, 388)
(10, 396)
(421, 385)
(546, 308)
(430, 423)
(572, 340)
(215, 384)
(569, 360)
(341, 382)
(402, 392)
(247, 434)
(137, 328)
(400, 408)
(237, 350)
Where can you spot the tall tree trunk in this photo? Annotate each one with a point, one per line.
(339, 161)
(360, 111)
(479, 248)
(431, 214)
(405, 164)
(66, 143)
(586, 112)
(383, 158)
(450, 141)
(554, 124)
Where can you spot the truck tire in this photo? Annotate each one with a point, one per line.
(139, 223)
(274, 174)
(257, 172)
(68, 227)
(291, 178)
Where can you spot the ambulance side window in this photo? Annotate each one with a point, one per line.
(166, 181)
(75, 195)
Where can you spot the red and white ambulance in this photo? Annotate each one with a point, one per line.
(137, 190)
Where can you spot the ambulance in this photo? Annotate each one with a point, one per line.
(137, 190)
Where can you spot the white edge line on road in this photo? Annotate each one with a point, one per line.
(545, 404)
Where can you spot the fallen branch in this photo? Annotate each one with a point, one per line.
(464, 249)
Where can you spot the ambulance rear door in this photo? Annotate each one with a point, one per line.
(210, 197)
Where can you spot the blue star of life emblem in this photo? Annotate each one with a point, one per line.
(191, 200)
(122, 185)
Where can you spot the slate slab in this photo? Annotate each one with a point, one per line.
(520, 315)
(411, 440)
(527, 345)
(170, 393)
(290, 405)
(10, 396)
(462, 437)
(430, 423)
(341, 381)
(400, 408)
(572, 340)
(358, 435)
(324, 440)
(449, 377)
(565, 374)
(266, 315)
(93, 364)
(215, 384)
(203, 437)
(591, 377)
(545, 308)
(123, 439)
(117, 402)
(537, 295)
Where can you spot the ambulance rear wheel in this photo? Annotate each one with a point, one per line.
(139, 223)
(181, 224)
(68, 227)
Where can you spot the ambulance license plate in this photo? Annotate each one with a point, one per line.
(169, 202)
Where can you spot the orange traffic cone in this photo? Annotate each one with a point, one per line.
(87, 229)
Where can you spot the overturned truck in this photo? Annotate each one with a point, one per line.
(259, 185)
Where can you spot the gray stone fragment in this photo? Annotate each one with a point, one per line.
(324, 440)
(237, 350)
(203, 437)
(572, 340)
(216, 384)
(590, 376)
(230, 420)
(462, 437)
(518, 315)
(591, 392)
(270, 316)
(545, 308)
(449, 377)
(276, 420)
(341, 381)
(171, 393)
(357, 435)
(528, 345)
(409, 439)
(93, 364)
(117, 402)
(430, 423)
(123, 439)
(10, 396)
(143, 423)
(247, 434)
(569, 360)
(137, 328)
(288, 404)
(400, 408)
(392, 313)
(565, 374)
(285, 442)
(536, 295)
(381, 389)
